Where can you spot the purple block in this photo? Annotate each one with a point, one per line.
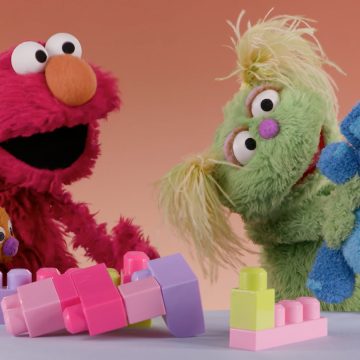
(141, 274)
(15, 278)
(180, 289)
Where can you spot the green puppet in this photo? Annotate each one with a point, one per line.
(262, 163)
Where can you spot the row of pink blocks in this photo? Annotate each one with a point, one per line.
(87, 299)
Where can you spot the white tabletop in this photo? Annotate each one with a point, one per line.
(157, 343)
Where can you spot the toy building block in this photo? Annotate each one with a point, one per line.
(115, 276)
(134, 268)
(133, 261)
(180, 289)
(15, 278)
(294, 321)
(143, 300)
(141, 274)
(35, 309)
(252, 304)
(101, 307)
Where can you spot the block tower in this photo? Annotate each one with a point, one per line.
(257, 323)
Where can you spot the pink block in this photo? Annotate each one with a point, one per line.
(311, 307)
(293, 311)
(279, 315)
(34, 309)
(133, 261)
(101, 303)
(143, 299)
(288, 334)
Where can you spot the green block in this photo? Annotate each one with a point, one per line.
(252, 310)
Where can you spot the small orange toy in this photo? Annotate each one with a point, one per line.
(8, 243)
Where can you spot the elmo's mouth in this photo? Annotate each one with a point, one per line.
(312, 167)
(57, 149)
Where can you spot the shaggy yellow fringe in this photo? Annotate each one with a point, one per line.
(285, 50)
(190, 199)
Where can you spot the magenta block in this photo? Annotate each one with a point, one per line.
(143, 300)
(45, 273)
(133, 261)
(180, 289)
(15, 278)
(101, 307)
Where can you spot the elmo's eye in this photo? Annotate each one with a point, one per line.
(63, 43)
(29, 57)
(264, 102)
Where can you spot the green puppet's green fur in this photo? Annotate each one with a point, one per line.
(288, 217)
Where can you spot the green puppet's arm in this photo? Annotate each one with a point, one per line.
(296, 225)
(299, 219)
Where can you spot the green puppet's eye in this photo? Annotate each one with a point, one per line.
(264, 102)
(240, 147)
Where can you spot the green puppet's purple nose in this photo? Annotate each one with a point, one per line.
(10, 247)
(269, 128)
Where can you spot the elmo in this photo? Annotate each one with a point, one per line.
(51, 102)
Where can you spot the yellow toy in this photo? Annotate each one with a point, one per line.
(252, 304)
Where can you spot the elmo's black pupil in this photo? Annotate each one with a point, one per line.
(267, 105)
(2, 236)
(40, 56)
(68, 47)
(250, 144)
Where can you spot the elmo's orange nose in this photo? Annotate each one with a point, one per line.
(70, 79)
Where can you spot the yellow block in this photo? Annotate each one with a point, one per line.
(115, 276)
(141, 325)
(252, 304)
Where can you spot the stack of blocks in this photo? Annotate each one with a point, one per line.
(90, 300)
(257, 323)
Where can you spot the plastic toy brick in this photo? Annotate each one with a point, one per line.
(143, 300)
(15, 278)
(101, 307)
(133, 261)
(35, 309)
(115, 276)
(294, 321)
(141, 274)
(146, 324)
(252, 304)
(180, 289)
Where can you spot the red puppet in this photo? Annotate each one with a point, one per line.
(51, 101)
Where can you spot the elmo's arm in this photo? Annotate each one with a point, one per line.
(93, 237)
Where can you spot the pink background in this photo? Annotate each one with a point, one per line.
(167, 55)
